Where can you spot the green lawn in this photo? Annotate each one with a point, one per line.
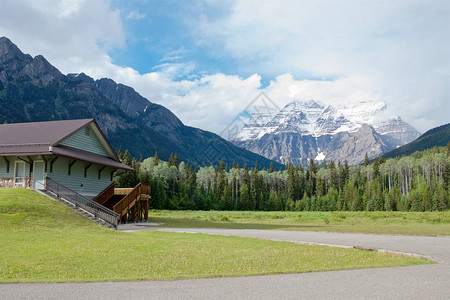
(409, 223)
(43, 241)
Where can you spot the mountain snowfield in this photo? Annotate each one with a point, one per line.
(305, 130)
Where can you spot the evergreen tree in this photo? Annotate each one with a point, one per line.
(347, 170)
(320, 187)
(388, 204)
(128, 179)
(245, 203)
(126, 159)
(426, 199)
(156, 159)
(291, 181)
(173, 160)
(256, 188)
(443, 199)
(376, 166)
(119, 153)
(220, 180)
(334, 180)
(290, 205)
(305, 202)
(273, 201)
(366, 160)
(418, 182)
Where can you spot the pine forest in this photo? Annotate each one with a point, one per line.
(418, 182)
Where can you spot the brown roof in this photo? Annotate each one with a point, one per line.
(39, 132)
(23, 149)
(42, 138)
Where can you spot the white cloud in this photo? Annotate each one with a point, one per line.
(70, 34)
(396, 52)
(135, 15)
(209, 102)
(76, 38)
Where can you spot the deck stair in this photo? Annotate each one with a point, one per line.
(110, 207)
(131, 204)
(134, 205)
(82, 205)
(77, 209)
(113, 200)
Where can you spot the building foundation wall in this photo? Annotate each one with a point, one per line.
(9, 183)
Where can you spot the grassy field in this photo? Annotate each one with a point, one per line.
(409, 223)
(43, 241)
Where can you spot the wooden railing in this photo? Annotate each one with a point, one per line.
(122, 191)
(129, 200)
(76, 199)
(106, 194)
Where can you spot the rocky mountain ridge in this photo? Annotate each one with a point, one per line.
(436, 137)
(32, 90)
(311, 130)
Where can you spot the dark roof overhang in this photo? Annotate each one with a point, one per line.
(88, 156)
(25, 149)
(41, 149)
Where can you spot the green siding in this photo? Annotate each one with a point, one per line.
(90, 186)
(12, 160)
(3, 173)
(80, 140)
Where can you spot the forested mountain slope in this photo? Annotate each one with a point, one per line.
(436, 137)
(32, 90)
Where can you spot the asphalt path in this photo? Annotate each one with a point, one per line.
(408, 282)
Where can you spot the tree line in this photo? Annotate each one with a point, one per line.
(419, 182)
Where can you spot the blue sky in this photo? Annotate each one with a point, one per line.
(164, 32)
(161, 33)
(155, 35)
(207, 60)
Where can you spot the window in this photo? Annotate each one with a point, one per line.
(19, 172)
(87, 131)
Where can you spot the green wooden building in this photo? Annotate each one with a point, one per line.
(72, 155)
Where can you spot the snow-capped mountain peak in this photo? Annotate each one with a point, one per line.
(310, 118)
(312, 125)
(396, 131)
(362, 112)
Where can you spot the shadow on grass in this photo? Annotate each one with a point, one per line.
(191, 223)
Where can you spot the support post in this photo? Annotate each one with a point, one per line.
(31, 165)
(112, 173)
(52, 162)
(70, 166)
(100, 171)
(86, 169)
(7, 164)
(146, 210)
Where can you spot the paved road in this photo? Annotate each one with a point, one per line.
(412, 282)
